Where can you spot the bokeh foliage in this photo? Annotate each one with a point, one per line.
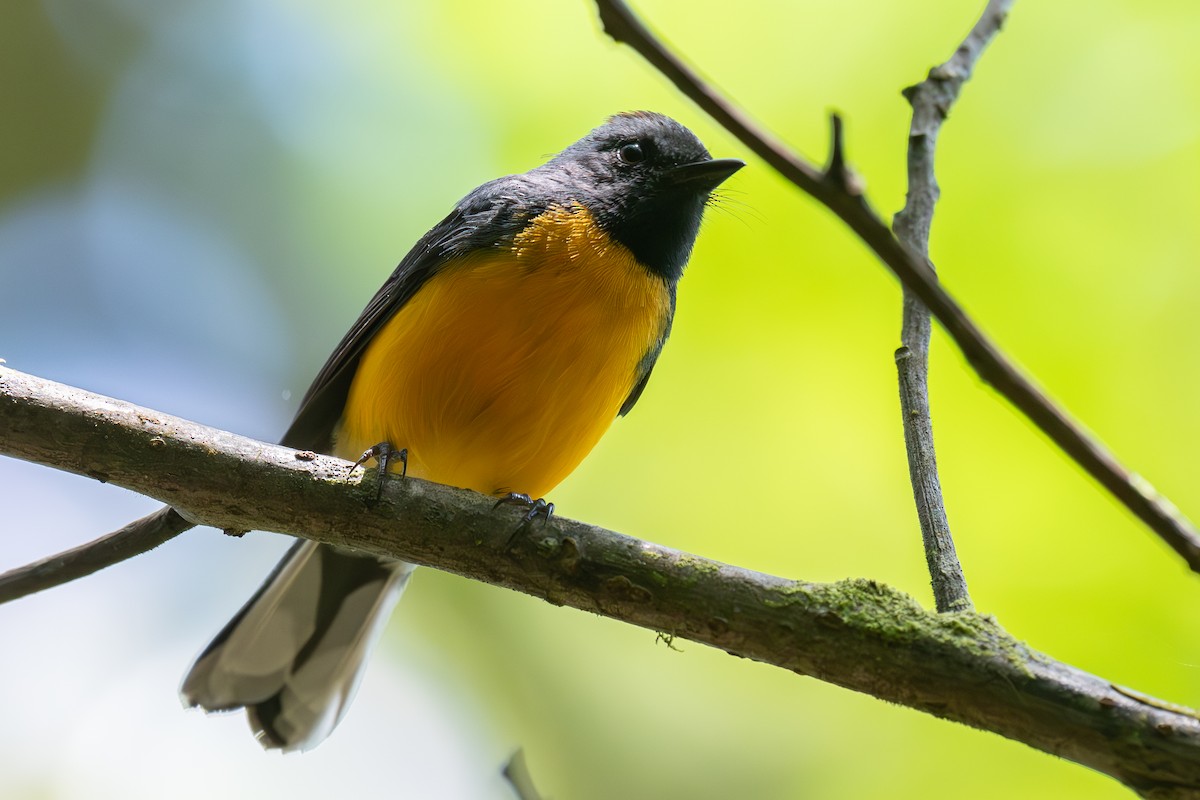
(196, 198)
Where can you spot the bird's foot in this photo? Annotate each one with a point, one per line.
(384, 454)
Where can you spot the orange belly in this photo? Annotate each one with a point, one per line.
(506, 367)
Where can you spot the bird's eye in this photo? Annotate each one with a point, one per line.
(631, 153)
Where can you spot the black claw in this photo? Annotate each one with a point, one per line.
(535, 508)
(383, 453)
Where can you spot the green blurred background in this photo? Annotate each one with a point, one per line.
(198, 196)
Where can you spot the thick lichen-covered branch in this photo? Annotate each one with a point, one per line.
(858, 633)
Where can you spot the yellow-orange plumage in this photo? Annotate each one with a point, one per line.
(497, 353)
(507, 366)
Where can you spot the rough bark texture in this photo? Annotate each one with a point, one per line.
(858, 633)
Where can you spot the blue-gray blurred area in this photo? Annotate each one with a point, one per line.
(159, 242)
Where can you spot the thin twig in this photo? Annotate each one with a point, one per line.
(134, 539)
(516, 772)
(916, 274)
(857, 634)
(931, 101)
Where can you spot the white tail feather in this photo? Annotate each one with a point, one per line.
(296, 690)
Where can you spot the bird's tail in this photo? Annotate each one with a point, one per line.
(295, 653)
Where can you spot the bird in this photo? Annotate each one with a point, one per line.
(493, 358)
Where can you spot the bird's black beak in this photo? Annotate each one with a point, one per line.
(704, 175)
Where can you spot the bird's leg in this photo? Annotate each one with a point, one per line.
(534, 508)
(384, 454)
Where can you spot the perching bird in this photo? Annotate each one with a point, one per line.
(494, 358)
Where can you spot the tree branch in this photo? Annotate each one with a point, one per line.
(844, 198)
(516, 772)
(132, 540)
(931, 101)
(857, 634)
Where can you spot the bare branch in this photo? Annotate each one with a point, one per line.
(857, 634)
(132, 540)
(516, 772)
(916, 274)
(931, 101)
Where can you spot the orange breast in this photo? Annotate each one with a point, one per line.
(506, 367)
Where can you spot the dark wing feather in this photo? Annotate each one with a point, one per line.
(483, 219)
(321, 407)
(647, 364)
